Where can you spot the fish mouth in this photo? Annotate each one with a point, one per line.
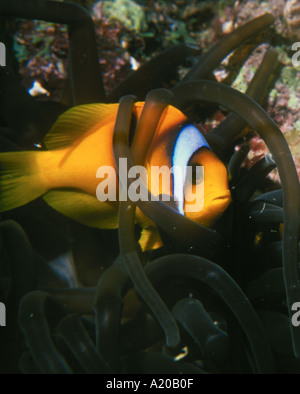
(219, 197)
(218, 203)
(213, 206)
(223, 197)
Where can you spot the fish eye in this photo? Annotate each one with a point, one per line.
(197, 174)
(189, 141)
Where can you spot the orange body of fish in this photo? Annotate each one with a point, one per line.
(78, 144)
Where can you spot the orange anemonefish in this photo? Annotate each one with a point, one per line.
(81, 141)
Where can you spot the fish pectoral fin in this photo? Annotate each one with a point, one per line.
(83, 208)
(150, 239)
(77, 121)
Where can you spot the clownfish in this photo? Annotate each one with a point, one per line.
(81, 141)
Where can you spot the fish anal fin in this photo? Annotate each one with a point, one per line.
(83, 208)
(150, 239)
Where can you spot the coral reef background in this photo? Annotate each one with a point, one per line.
(130, 32)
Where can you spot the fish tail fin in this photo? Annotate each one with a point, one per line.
(20, 180)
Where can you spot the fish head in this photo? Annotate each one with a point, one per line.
(198, 184)
(206, 190)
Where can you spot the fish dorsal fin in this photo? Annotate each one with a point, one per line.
(77, 121)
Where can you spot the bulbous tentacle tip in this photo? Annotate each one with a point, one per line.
(160, 96)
